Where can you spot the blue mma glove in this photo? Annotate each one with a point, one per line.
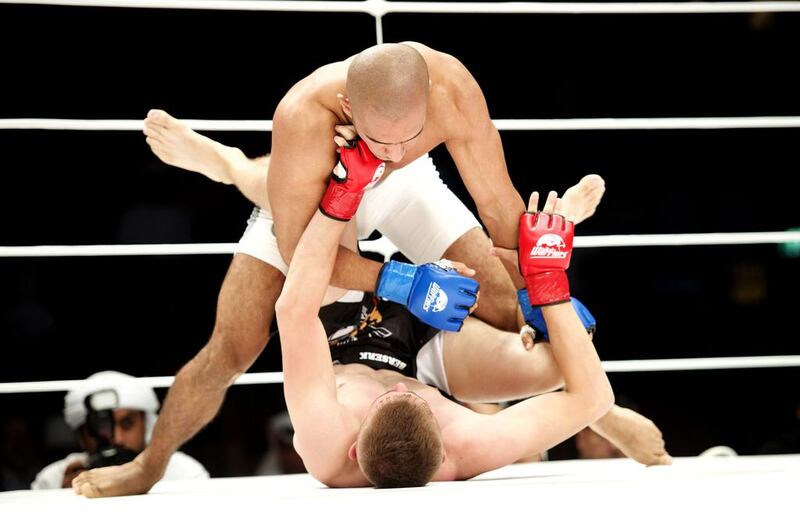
(533, 315)
(435, 293)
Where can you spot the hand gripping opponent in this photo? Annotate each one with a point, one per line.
(545, 249)
(435, 293)
(356, 171)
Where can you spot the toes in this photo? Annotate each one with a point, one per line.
(159, 118)
(151, 130)
(593, 180)
(158, 150)
(157, 115)
(661, 460)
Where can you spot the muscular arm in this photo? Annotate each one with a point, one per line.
(303, 156)
(475, 146)
(323, 428)
(541, 422)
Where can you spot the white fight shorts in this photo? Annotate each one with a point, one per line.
(412, 207)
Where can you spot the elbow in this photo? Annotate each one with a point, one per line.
(501, 221)
(291, 310)
(285, 308)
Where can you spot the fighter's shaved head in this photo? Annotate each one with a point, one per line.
(388, 80)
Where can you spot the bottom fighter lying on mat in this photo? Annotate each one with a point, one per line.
(178, 145)
(356, 425)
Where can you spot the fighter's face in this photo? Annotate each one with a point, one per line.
(389, 139)
(397, 391)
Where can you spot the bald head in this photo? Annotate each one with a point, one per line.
(388, 80)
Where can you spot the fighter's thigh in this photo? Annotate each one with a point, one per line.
(416, 211)
(246, 305)
(484, 364)
(498, 301)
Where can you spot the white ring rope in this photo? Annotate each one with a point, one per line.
(130, 124)
(119, 250)
(647, 123)
(378, 8)
(650, 365)
(688, 239)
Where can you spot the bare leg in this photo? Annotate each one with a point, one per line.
(487, 365)
(245, 310)
(172, 141)
(484, 364)
(498, 299)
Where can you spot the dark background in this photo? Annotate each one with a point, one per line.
(65, 318)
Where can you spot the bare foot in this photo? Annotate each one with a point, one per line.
(172, 141)
(635, 435)
(580, 201)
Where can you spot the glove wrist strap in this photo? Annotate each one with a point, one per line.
(395, 281)
(547, 288)
(338, 203)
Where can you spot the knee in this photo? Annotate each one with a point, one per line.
(497, 309)
(235, 351)
(471, 247)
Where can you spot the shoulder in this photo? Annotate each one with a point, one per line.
(457, 101)
(311, 103)
(181, 466)
(302, 113)
(465, 446)
(445, 69)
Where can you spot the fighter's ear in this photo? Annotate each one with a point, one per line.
(351, 453)
(344, 102)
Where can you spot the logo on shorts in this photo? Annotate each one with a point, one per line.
(549, 245)
(435, 298)
(340, 333)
